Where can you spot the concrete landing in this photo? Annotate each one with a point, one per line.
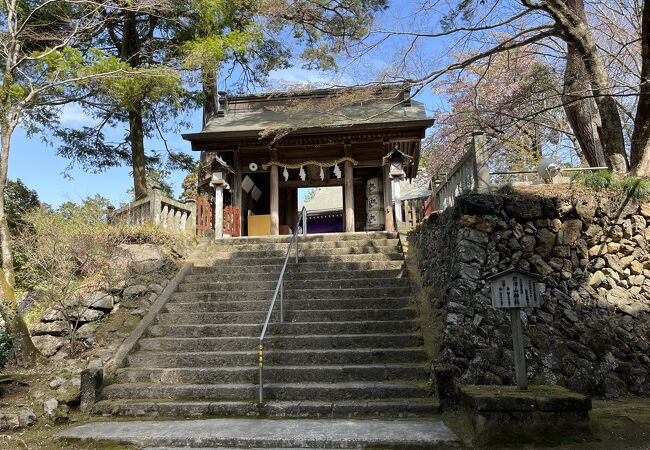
(247, 433)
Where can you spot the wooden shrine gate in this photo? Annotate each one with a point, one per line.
(205, 218)
(231, 221)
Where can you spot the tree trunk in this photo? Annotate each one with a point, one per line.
(570, 17)
(130, 52)
(641, 135)
(210, 104)
(138, 159)
(580, 109)
(25, 353)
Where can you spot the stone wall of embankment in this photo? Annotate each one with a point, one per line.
(592, 333)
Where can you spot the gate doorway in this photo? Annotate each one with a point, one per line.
(324, 207)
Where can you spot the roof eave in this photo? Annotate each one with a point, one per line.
(234, 135)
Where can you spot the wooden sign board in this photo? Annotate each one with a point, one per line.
(515, 289)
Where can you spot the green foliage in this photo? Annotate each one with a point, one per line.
(6, 347)
(506, 189)
(598, 181)
(637, 188)
(211, 51)
(190, 186)
(92, 211)
(138, 234)
(309, 195)
(18, 200)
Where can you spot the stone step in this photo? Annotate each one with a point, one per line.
(324, 237)
(254, 285)
(350, 341)
(394, 408)
(273, 374)
(303, 266)
(289, 316)
(272, 391)
(292, 294)
(303, 251)
(175, 306)
(216, 276)
(205, 259)
(269, 434)
(277, 357)
(303, 243)
(287, 328)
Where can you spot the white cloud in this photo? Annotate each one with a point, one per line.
(73, 115)
(298, 75)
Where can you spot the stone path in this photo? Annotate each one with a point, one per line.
(250, 433)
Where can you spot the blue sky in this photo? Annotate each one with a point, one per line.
(38, 166)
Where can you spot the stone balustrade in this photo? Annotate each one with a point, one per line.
(157, 209)
(470, 174)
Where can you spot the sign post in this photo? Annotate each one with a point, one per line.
(513, 290)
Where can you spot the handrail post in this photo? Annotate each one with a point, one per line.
(261, 363)
(304, 221)
(279, 289)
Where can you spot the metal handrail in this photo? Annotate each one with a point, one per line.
(279, 288)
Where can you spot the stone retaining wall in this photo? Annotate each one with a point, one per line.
(592, 333)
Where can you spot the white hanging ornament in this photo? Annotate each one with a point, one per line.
(322, 174)
(285, 174)
(337, 171)
(303, 175)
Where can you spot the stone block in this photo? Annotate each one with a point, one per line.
(48, 345)
(52, 314)
(569, 232)
(546, 239)
(134, 290)
(91, 384)
(586, 208)
(58, 328)
(524, 207)
(503, 413)
(645, 209)
(445, 379)
(85, 314)
(480, 204)
(98, 300)
(540, 266)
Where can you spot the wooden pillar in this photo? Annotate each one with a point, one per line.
(235, 191)
(348, 199)
(388, 200)
(275, 198)
(291, 210)
(518, 349)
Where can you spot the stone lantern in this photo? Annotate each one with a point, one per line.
(219, 182)
(397, 161)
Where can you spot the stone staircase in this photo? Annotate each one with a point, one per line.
(349, 347)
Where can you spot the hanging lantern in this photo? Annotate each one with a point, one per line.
(285, 174)
(397, 165)
(303, 175)
(322, 174)
(337, 170)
